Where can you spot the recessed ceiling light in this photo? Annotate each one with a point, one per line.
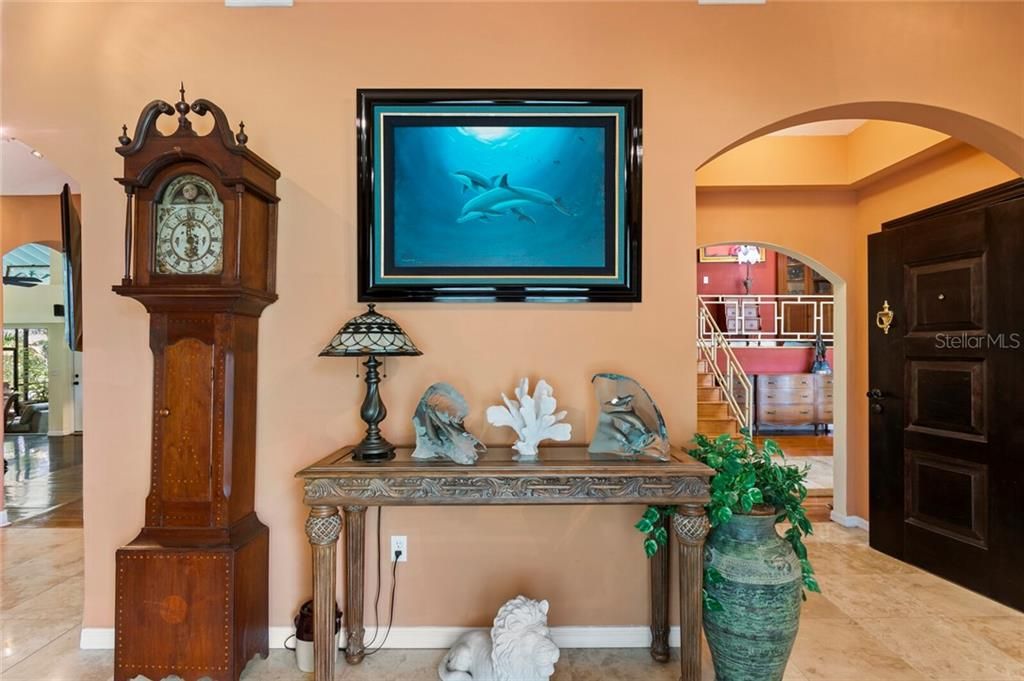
(37, 153)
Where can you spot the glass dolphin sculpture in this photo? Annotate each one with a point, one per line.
(440, 433)
(629, 423)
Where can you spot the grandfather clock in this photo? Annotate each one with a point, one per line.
(200, 241)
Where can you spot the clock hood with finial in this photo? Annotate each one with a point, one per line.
(150, 149)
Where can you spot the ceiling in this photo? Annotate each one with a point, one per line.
(29, 254)
(821, 128)
(23, 174)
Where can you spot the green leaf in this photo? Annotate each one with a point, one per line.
(650, 547)
(712, 604)
(756, 495)
(661, 536)
(644, 525)
(652, 514)
(812, 584)
(713, 576)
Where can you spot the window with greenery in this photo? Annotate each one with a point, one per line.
(26, 370)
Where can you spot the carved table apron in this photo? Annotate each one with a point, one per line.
(564, 475)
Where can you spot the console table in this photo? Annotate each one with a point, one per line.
(564, 475)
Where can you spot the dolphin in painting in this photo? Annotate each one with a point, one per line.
(503, 198)
(475, 181)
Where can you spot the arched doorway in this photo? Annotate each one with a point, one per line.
(779, 335)
(845, 211)
(42, 359)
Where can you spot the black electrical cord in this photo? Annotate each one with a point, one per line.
(376, 598)
(391, 610)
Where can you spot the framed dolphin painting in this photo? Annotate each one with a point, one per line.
(499, 195)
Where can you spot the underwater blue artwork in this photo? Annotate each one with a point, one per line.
(499, 196)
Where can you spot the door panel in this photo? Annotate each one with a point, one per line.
(946, 398)
(946, 296)
(946, 482)
(948, 496)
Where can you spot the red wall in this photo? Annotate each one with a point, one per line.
(777, 360)
(727, 277)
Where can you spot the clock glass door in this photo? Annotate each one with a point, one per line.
(190, 228)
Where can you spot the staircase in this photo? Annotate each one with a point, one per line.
(724, 392)
(713, 414)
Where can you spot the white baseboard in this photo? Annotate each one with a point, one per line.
(850, 521)
(4, 522)
(98, 638)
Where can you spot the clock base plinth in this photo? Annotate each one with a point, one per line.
(193, 612)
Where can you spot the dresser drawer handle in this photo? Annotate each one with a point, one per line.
(804, 411)
(163, 412)
(769, 411)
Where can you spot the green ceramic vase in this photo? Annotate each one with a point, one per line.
(751, 638)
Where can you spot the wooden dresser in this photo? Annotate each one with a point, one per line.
(793, 400)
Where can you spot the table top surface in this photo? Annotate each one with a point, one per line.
(563, 460)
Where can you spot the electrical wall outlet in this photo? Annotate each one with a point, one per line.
(399, 543)
(707, 279)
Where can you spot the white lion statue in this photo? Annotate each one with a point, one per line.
(518, 647)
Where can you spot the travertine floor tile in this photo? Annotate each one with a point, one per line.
(945, 649)
(948, 599)
(818, 606)
(18, 589)
(860, 596)
(21, 638)
(841, 650)
(833, 559)
(1005, 633)
(878, 620)
(62, 602)
(837, 534)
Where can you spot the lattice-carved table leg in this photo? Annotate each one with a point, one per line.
(660, 601)
(355, 540)
(691, 527)
(323, 526)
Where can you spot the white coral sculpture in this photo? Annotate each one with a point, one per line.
(533, 418)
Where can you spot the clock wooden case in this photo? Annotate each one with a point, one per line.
(200, 240)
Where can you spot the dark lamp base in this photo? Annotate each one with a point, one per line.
(381, 450)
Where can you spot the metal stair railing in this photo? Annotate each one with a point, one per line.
(734, 382)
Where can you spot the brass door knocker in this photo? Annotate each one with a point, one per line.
(883, 318)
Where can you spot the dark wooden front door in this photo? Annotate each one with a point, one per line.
(947, 391)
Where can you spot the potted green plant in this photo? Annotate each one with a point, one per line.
(754, 579)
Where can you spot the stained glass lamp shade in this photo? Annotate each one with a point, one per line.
(371, 334)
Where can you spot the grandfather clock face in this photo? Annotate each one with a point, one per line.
(189, 228)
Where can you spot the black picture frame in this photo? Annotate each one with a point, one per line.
(433, 286)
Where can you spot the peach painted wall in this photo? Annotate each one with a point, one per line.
(30, 219)
(72, 73)
(823, 161)
(784, 161)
